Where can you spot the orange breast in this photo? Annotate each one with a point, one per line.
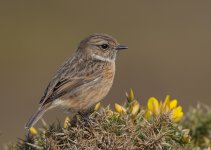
(95, 93)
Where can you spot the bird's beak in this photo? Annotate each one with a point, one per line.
(121, 47)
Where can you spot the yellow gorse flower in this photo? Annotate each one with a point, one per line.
(120, 109)
(177, 114)
(168, 106)
(33, 131)
(134, 108)
(153, 105)
(97, 106)
(130, 95)
(66, 122)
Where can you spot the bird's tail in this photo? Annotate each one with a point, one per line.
(36, 116)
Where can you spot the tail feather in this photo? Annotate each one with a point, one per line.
(37, 115)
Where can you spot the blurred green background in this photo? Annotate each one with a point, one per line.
(169, 51)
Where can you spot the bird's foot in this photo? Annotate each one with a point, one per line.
(85, 118)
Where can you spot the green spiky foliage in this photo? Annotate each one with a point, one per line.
(198, 120)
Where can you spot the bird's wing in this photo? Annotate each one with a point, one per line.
(66, 85)
(63, 87)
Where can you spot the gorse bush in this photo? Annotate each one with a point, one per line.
(131, 126)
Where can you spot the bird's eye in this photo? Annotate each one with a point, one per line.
(104, 46)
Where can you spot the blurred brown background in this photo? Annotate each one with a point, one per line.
(169, 51)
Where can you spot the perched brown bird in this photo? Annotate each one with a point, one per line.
(84, 79)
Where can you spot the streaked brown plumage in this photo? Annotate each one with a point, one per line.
(84, 79)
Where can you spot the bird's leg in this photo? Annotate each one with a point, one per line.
(73, 121)
(82, 116)
(85, 116)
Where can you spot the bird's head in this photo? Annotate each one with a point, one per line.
(100, 46)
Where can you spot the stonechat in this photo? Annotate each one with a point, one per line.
(84, 79)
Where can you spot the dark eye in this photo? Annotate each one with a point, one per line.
(104, 46)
